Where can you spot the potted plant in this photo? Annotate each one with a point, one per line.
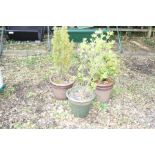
(103, 63)
(62, 54)
(104, 71)
(81, 96)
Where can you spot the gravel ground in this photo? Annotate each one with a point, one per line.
(28, 101)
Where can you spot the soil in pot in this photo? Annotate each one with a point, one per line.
(81, 100)
(103, 90)
(61, 85)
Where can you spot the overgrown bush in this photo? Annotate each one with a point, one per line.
(62, 52)
(98, 62)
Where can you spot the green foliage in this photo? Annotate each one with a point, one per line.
(62, 50)
(83, 69)
(31, 61)
(31, 94)
(34, 61)
(149, 42)
(101, 106)
(9, 90)
(104, 66)
(27, 125)
(97, 60)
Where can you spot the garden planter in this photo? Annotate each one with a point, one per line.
(59, 90)
(2, 88)
(103, 91)
(79, 108)
(78, 34)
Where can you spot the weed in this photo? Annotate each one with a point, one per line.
(101, 106)
(149, 42)
(7, 92)
(116, 91)
(31, 94)
(27, 125)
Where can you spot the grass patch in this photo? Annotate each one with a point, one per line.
(8, 91)
(100, 106)
(28, 125)
(149, 42)
(31, 94)
(117, 91)
(32, 61)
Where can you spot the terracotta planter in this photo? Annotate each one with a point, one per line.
(59, 90)
(103, 91)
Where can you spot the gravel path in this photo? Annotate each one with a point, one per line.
(28, 101)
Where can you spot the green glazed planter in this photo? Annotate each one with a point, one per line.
(2, 88)
(79, 108)
(77, 34)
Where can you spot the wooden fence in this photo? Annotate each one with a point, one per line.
(149, 30)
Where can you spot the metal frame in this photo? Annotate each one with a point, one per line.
(49, 39)
(1, 40)
(119, 40)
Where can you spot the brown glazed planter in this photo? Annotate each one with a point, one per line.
(59, 90)
(103, 91)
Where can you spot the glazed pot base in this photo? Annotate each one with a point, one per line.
(2, 88)
(78, 107)
(80, 111)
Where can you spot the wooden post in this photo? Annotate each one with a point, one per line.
(149, 31)
(153, 32)
(49, 39)
(128, 33)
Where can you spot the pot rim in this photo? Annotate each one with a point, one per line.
(110, 84)
(77, 101)
(62, 84)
